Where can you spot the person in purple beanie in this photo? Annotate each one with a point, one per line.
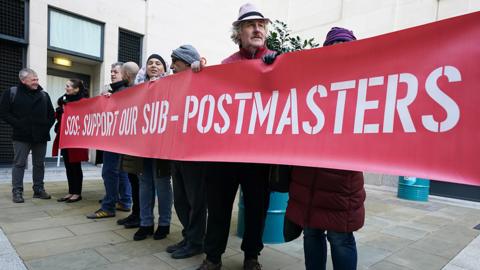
(327, 204)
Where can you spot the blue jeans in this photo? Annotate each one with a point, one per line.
(342, 246)
(117, 186)
(149, 183)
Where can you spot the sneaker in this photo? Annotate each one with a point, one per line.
(187, 251)
(100, 213)
(17, 197)
(251, 264)
(41, 194)
(174, 247)
(143, 232)
(208, 265)
(121, 207)
(161, 232)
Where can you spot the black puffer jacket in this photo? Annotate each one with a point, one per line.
(30, 114)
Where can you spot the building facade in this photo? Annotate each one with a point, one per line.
(64, 39)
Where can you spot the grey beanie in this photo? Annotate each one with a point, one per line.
(186, 53)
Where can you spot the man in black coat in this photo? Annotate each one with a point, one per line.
(28, 109)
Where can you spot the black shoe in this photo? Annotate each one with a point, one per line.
(63, 199)
(251, 264)
(125, 220)
(208, 265)
(41, 194)
(133, 223)
(161, 232)
(187, 251)
(174, 247)
(17, 197)
(143, 232)
(79, 198)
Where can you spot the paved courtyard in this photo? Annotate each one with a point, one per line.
(399, 234)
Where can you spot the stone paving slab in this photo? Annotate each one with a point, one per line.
(15, 227)
(139, 263)
(81, 259)
(468, 259)
(22, 238)
(398, 234)
(417, 259)
(59, 246)
(131, 249)
(388, 242)
(8, 257)
(405, 232)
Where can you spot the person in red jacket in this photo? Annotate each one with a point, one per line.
(328, 204)
(72, 157)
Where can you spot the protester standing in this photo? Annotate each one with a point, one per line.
(328, 204)
(115, 180)
(188, 180)
(28, 109)
(155, 177)
(72, 157)
(249, 32)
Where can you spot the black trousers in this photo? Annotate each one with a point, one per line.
(133, 178)
(222, 184)
(190, 199)
(74, 174)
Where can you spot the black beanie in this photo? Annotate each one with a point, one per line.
(156, 56)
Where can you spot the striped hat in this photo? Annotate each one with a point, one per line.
(338, 34)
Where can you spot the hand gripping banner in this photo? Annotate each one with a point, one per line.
(403, 103)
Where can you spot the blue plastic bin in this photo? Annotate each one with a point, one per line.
(273, 232)
(412, 188)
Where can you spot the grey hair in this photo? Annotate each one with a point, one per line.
(237, 30)
(117, 64)
(24, 72)
(129, 71)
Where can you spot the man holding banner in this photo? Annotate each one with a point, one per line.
(114, 179)
(249, 32)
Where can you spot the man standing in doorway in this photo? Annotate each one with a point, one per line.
(28, 109)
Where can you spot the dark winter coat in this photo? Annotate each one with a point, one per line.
(326, 199)
(74, 154)
(30, 114)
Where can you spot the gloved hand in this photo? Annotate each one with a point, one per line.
(59, 110)
(270, 58)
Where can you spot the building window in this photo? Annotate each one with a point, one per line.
(76, 35)
(12, 20)
(129, 47)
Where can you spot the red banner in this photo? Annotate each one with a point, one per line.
(404, 103)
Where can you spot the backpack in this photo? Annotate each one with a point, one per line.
(13, 93)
